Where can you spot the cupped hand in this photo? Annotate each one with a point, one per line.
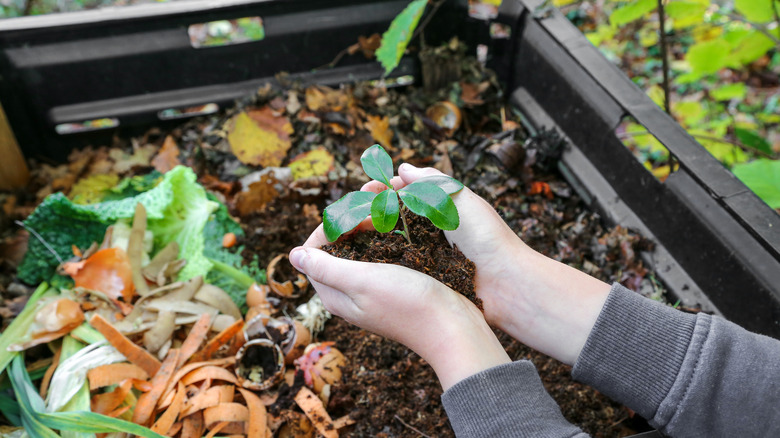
(414, 309)
(482, 236)
(543, 303)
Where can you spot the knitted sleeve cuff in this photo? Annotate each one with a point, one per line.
(635, 350)
(505, 401)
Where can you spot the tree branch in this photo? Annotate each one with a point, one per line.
(664, 55)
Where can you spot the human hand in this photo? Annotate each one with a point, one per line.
(543, 303)
(439, 324)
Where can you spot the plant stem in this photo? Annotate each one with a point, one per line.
(406, 227)
(664, 55)
(240, 277)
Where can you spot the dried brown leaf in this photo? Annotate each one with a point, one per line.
(168, 157)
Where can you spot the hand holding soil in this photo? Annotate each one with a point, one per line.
(439, 324)
(545, 304)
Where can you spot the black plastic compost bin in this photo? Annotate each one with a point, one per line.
(717, 244)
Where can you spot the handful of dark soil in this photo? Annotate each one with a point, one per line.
(429, 253)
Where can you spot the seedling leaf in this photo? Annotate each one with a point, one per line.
(377, 164)
(346, 213)
(384, 211)
(448, 184)
(397, 37)
(432, 202)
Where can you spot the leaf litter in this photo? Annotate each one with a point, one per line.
(274, 162)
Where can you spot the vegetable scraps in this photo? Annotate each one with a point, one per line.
(178, 210)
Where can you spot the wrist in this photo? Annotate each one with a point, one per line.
(549, 306)
(464, 345)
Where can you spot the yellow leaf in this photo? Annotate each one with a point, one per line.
(92, 189)
(648, 36)
(656, 94)
(314, 163)
(380, 129)
(254, 145)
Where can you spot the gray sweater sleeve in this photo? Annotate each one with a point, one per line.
(689, 375)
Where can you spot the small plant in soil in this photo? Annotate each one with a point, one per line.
(428, 197)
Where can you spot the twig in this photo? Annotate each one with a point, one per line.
(777, 13)
(427, 19)
(664, 55)
(736, 143)
(411, 427)
(759, 27)
(41, 239)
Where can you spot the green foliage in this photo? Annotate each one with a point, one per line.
(10, 410)
(429, 197)
(377, 164)
(732, 119)
(21, 324)
(396, 38)
(385, 211)
(708, 57)
(346, 213)
(427, 200)
(38, 423)
(752, 139)
(757, 11)
(762, 177)
(632, 11)
(730, 91)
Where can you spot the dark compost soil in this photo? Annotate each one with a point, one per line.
(428, 253)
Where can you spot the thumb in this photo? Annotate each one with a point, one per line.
(351, 277)
(410, 174)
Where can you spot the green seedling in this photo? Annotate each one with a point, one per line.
(428, 196)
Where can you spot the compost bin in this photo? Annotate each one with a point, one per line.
(717, 246)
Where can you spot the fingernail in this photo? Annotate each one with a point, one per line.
(298, 258)
(407, 166)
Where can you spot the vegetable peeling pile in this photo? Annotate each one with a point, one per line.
(142, 342)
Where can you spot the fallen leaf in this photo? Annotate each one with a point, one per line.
(168, 157)
(404, 155)
(92, 189)
(257, 195)
(319, 98)
(141, 157)
(380, 129)
(313, 163)
(255, 145)
(268, 119)
(13, 248)
(369, 45)
(471, 93)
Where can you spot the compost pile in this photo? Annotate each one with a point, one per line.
(162, 293)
